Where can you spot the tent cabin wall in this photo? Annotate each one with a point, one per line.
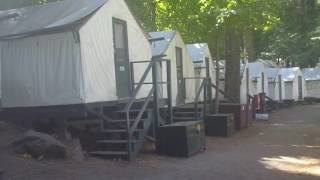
(244, 86)
(313, 88)
(200, 53)
(72, 66)
(292, 87)
(244, 90)
(41, 70)
(98, 57)
(175, 43)
(312, 81)
(276, 87)
(259, 79)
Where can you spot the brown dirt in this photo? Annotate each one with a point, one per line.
(286, 147)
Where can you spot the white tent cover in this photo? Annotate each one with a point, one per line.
(67, 58)
(167, 47)
(289, 74)
(311, 74)
(37, 19)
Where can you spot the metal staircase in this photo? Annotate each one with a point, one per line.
(196, 110)
(122, 131)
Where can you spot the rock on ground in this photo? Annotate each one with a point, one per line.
(40, 145)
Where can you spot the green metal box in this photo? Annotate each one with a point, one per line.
(219, 125)
(181, 139)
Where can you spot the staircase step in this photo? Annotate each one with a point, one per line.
(179, 119)
(132, 110)
(120, 130)
(115, 141)
(185, 113)
(108, 153)
(124, 121)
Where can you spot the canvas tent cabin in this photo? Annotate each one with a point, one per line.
(244, 77)
(201, 55)
(174, 49)
(294, 84)
(71, 52)
(312, 82)
(258, 77)
(276, 88)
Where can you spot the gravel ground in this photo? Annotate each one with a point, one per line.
(286, 147)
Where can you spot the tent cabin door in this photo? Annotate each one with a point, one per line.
(300, 87)
(262, 77)
(280, 88)
(121, 58)
(180, 81)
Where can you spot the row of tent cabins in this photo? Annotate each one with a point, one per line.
(280, 85)
(80, 58)
(283, 85)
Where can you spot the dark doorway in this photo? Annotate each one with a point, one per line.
(121, 58)
(262, 76)
(180, 81)
(300, 87)
(280, 88)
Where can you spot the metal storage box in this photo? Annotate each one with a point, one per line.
(239, 111)
(250, 115)
(181, 139)
(219, 125)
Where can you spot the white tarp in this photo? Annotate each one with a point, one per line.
(71, 67)
(41, 71)
(33, 20)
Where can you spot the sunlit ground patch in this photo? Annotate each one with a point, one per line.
(296, 165)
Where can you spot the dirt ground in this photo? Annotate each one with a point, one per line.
(285, 147)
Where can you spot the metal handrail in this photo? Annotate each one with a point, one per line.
(269, 98)
(140, 114)
(202, 87)
(224, 93)
(153, 91)
(132, 101)
(140, 84)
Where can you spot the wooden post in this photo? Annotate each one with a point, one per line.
(169, 91)
(216, 102)
(155, 95)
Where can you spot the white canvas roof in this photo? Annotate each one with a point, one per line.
(197, 51)
(289, 74)
(71, 66)
(272, 73)
(160, 47)
(255, 69)
(311, 74)
(16, 23)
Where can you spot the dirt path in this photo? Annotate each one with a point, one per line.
(287, 147)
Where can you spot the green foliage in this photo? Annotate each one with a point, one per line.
(294, 37)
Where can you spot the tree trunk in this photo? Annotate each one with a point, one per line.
(232, 55)
(249, 45)
(154, 15)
